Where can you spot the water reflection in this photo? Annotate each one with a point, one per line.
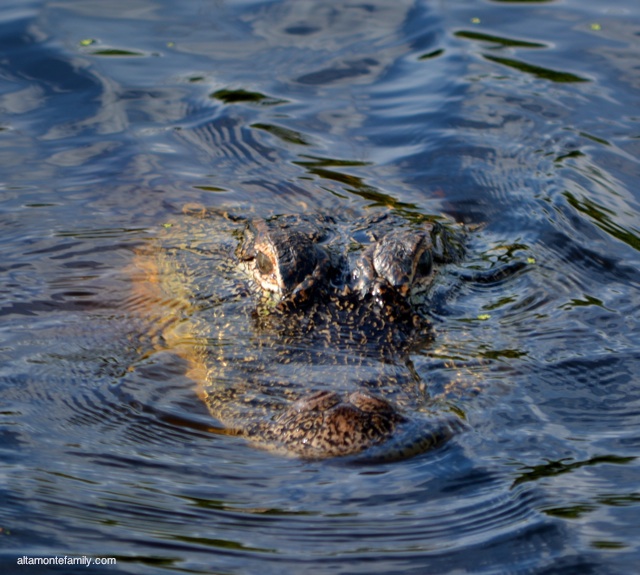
(113, 116)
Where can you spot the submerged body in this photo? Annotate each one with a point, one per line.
(299, 334)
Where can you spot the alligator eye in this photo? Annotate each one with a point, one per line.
(265, 265)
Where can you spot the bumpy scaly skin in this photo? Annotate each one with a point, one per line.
(284, 257)
(325, 424)
(393, 264)
(333, 307)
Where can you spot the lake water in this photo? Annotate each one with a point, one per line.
(520, 119)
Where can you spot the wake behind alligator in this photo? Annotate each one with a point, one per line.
(298, 329)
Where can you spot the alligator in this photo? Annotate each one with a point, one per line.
(298, 328)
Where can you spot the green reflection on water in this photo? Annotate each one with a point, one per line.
(430, 55)
(284, 134)
(554, 468)
(570, 512)
(330, 162)
(320, 167)
(154, 561)
(245, 96)
(221, 544)
(569, 155)
(595, 138)
(616, 500)
(500, 303)
(601, 544)
(117, 52)
(587, 301)
(497, 354)
(509, 42)
(99, 233)
(537, 71)
(601, 217)
(221, 505)
(210, 188)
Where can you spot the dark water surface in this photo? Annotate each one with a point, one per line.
(521, 117)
